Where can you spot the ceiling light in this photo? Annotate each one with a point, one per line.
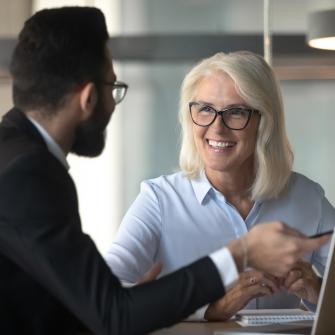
(321, 29)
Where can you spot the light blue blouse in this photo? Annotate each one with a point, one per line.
(176, 220)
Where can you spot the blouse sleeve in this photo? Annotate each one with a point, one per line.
(133, 251)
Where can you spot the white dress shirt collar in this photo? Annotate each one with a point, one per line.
(52, 145)
(201, 186)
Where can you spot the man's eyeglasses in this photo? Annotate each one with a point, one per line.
(119, 90)
(235, 118)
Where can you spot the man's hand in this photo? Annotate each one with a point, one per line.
(273, 248)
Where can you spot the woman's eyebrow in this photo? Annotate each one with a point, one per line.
(205, 103)
(241, 104)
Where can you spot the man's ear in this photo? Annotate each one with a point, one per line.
(88, 99)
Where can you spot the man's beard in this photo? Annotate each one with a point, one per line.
(88, 142)
(90, 136)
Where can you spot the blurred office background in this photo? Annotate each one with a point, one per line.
(143, 137)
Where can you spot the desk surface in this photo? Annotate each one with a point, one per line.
(196, 328)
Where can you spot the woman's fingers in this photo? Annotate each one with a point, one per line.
(254, 278)
(263, 287)
(292, 277)
(296, 286)
(303, 281)
(250, 285)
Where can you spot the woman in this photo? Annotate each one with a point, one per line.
(236, 171)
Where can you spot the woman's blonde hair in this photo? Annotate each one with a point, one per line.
(257, 85)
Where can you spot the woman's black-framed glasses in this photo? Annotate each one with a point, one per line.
(119, 90)
(235, 118)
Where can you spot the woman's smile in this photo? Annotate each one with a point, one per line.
(220, 145)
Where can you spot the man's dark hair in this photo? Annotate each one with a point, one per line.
(57, 51)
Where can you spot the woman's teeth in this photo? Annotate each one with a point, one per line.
(221, 144)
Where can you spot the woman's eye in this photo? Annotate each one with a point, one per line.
(206, 109)
(237, 112)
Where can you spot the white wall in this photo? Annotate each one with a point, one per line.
(12, 15)
(5, 96)
(310, 119)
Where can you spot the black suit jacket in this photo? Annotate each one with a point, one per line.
(52, 278)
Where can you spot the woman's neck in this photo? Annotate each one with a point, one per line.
(235, 186)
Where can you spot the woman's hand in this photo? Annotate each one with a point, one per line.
(303, 282)
(152, 274)
(251, 284)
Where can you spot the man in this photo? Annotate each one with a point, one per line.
(53, 280)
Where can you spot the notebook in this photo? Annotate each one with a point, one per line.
(268, 316)
(324, 323)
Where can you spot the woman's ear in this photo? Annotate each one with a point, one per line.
(88, 99)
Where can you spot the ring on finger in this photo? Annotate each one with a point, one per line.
(252, 280)
(299, 273)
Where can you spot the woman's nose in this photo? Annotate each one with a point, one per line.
(218, 125)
